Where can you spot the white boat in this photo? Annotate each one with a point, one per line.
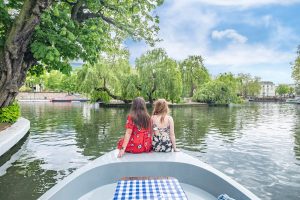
(295, 100)
(98, 179)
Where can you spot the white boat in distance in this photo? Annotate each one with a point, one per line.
(98, 179)
(295, 100)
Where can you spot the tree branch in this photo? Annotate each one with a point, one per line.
(75, 9)
(105, 89)
(78, 14)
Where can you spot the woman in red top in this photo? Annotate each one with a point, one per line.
(138, 136)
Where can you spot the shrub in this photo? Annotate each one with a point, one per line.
(10, 114)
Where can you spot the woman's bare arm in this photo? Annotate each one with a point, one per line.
(172, 133)
(125, 142)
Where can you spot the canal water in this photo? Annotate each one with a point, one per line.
(256, 144)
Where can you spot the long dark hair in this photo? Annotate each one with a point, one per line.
(139, 113)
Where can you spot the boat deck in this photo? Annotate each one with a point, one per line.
(106, 192)
(98, 179)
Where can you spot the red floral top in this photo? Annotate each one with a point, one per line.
(140, 139)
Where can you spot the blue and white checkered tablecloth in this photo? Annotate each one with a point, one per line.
(162, 189)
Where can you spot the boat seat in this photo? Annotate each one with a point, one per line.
(149, 188)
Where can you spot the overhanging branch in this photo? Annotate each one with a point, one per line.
(105, 89)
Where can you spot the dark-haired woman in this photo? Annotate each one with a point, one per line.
(138, 137)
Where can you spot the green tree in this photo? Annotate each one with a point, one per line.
(248, 86)
(291, 91)
(282, 89)
(69, 83)
(296, 67)
(159, 76)
(222, 90)
(53, 81)
(49, 33)
(108, 78)
(193, 74)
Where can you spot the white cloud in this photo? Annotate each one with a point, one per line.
(187, 28)
(246, 54)
(229, 33)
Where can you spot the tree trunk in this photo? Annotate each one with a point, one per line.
(15, 56)
(105, 89)
(150, 98)
(192, 89)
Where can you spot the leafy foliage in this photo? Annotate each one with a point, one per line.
(194, 73)
(10, 114)
(222, 90)
(53, 81)
(101, 27)
(109, 77)
(283, 89)
(296, 67)
(249, 86)
(47, 34)
(159, 76)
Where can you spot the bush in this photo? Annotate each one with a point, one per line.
(10, 114)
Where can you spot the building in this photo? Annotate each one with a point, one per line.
(267, 89)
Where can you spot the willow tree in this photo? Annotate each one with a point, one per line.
(170, 87)
(159, 76)
(194, 73)
(109, 78)
(49, 33)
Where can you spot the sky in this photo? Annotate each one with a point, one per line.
(259, 37)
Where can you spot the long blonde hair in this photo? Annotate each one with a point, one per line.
(161, 108)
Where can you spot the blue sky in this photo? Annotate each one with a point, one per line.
(259, 37)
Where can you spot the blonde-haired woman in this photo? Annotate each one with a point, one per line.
(163, 128)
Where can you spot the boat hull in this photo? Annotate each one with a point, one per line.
(108, 170)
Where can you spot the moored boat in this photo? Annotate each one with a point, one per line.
(294, 101)
(98, 179)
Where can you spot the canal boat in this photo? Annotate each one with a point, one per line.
(98, 179)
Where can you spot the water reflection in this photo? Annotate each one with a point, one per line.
(100, 132)
(256, 144)
(26, 180)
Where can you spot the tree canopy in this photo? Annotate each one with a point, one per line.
(108, 78)
(248, 86)
(283, 90)
(193, 73)
(159, 76)
(222, 90)
(49, 33)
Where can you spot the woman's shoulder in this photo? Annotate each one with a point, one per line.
(129, 118)
(170, 117)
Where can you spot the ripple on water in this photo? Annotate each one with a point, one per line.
(258, 145)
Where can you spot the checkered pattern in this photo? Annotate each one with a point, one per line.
(162, 189)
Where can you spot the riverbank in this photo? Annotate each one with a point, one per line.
(268, 99)
(49, 96)
(113, 104)
(13, 134)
